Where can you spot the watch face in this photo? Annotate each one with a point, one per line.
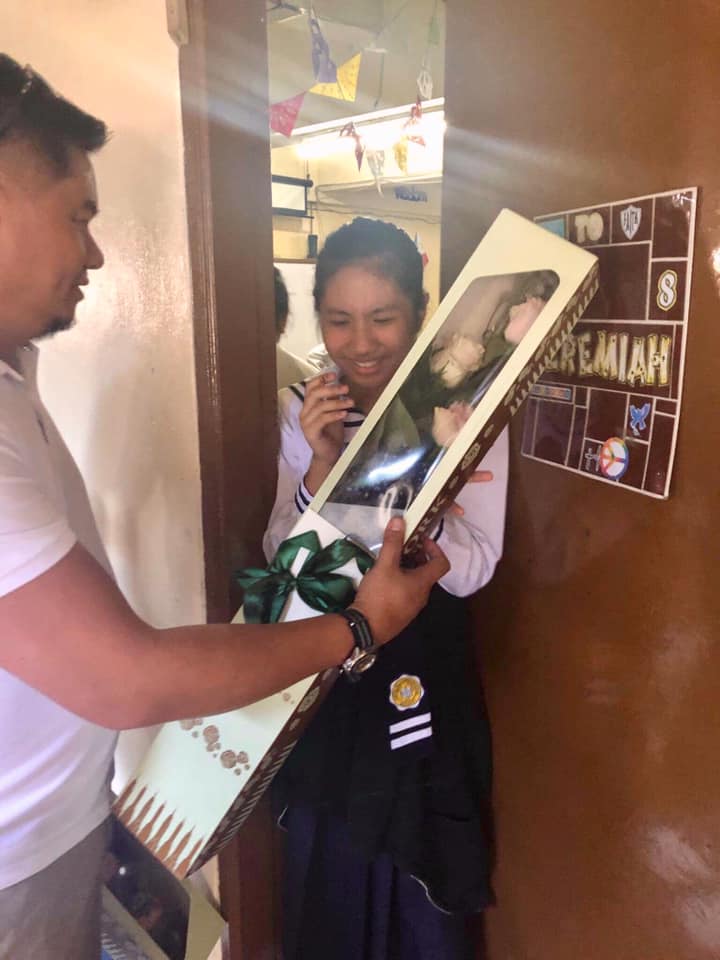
(358, 662)
(364, 662)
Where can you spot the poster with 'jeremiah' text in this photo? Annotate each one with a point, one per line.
(608, 405)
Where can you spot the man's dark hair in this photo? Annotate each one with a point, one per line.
(31, 112)
(282, 304)
(385, 247)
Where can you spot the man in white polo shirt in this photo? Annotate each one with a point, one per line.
(76, 663)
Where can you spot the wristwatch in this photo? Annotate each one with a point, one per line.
(364, 653)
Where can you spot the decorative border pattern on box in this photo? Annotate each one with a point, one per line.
(182, 850)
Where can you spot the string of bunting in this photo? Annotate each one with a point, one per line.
(412, 129)
(323, 65)
(284, 114)
(346, 83)
(411, 133)
(341, 83)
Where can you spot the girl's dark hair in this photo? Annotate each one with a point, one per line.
(31, 112)
(385, 247)
(282, 303)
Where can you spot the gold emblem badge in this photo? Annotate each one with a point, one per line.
(406, 692)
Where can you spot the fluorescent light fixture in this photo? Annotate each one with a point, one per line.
(428, 106)
(375, 136)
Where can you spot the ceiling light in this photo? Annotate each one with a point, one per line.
(428, 107)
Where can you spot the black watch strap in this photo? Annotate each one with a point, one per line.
(360, 628)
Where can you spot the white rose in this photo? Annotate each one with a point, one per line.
(461, 357)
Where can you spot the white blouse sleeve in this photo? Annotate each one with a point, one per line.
(291, 497)
(473, 543)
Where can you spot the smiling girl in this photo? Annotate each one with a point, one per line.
(385, 798)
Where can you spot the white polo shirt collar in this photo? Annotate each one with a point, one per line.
(28, 365)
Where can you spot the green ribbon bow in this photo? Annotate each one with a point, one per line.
(266, 591)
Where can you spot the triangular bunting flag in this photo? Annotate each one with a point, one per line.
(400, 149)
(324, 69)
(376, 162)
(425, 84)
(345, 88)
(350, 130)
(283, 115)
(413, 126)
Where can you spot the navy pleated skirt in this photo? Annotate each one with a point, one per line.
(389, 843)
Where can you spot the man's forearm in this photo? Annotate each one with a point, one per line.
(191, 671)
(71, 634)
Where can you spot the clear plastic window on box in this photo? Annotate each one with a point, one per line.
(436, 398)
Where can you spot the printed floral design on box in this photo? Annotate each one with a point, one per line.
(237, 761)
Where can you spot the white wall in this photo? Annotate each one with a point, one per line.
(302, 331)
(121, 384)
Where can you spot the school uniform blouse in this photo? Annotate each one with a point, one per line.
(473, 543)
(408, 783)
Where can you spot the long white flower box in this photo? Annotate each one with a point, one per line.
(471, 367)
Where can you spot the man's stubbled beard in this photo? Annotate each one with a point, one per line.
(57, 325)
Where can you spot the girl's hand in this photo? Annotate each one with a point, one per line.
(321, 419)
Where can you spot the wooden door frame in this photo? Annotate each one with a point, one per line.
(224, 102)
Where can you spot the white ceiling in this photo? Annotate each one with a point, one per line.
(400, 27)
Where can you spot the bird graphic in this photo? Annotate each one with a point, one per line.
(638, 418)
